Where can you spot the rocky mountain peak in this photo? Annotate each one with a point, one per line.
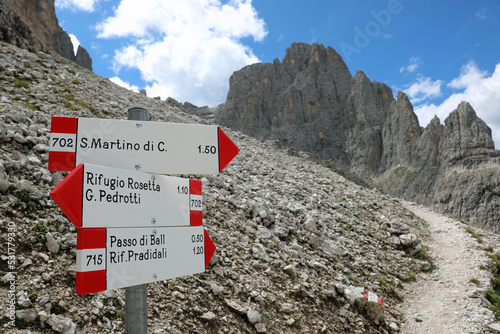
(466, 134)
(40, 16)
(434, 121)
(302, 54)
(311, 102)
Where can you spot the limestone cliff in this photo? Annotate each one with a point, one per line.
(14, 31)
(312, 103)
(40, 16)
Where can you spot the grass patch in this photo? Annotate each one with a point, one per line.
(41, 227)
(347, 226)
(382, 280)
(352, 278)
(30, 106)
(334, 300)
(18, 83)
(26, 203)
(493, 294)
(421, 254)
(494, 298)
(496, 260)
(86, 105)
(474, 234)
(495, 281)
(67, 96)
(474, 281)
(411, 277)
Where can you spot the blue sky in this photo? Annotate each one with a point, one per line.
(438, 52)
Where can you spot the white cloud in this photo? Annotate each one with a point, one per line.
(482, 13)
(185, 49)
(469, 75)
(85, 5)
(75, 42)
(478, 88)
(124, 84)
(423, 89)
(415, 63)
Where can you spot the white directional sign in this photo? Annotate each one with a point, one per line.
(119, 257)
(135, 227)
(97, 196)
(155, 147)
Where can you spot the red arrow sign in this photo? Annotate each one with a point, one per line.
(97, 196)
(68, 195)
(155, 147)
(115, 258)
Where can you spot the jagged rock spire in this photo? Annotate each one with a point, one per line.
(40, 16)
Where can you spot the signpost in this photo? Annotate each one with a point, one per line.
(136, 296)
(155, 147)
(112, 258)
(97, 196)
(133, 227)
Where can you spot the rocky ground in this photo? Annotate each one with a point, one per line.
(297, 244)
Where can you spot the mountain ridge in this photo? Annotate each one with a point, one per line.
(310, 102)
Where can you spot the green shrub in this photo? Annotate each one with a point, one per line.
(496, 259)
(494, 298)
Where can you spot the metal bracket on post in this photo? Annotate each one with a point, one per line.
(136, 304)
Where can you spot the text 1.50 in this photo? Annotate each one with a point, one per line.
(207, 149)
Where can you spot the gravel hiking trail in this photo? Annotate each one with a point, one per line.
(447, 299)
